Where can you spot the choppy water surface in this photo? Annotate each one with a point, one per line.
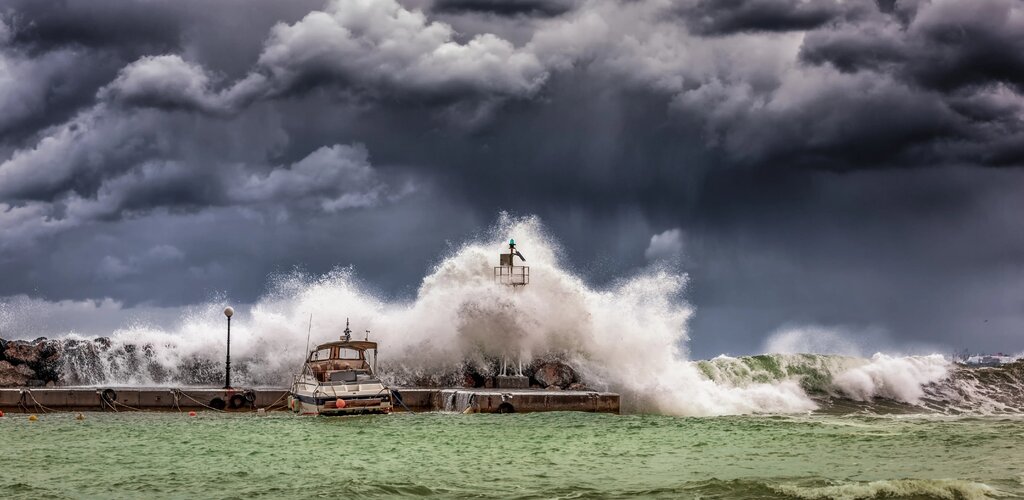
(170, 455)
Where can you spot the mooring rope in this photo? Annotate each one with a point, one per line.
(106, 403)
(271, 405)
(176, 398)
(399, 398)
(126, 406)
(183, 393)
(37, 403)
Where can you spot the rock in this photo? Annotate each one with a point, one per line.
(577, 386)
(19, 352)
(14, 376)
(554, 373)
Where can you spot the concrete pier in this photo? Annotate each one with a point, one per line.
(417, 399)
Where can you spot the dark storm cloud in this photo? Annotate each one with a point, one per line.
(807, 161)
(130, 27)
(543, 8)
(724, 17)
(946, 47)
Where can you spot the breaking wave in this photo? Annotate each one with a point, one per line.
(629, 337)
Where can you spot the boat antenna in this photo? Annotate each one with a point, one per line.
(367, 335)
(309, 329)
(347, 332)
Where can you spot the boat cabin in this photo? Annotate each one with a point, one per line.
(342, 362)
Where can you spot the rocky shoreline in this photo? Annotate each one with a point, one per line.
(49, 362)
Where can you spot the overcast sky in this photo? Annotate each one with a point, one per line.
(849, 165)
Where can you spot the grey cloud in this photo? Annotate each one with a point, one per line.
(93, 141)
(374, 46)
(330, 179)
(724, 17)
(164, 82)
(380, 43)
(100, 24)
(666, 245)
(333, 178)
(541, 8)
(946, 46)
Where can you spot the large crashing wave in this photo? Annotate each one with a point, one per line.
(629, 337)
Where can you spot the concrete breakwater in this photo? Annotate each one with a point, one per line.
(417, 399)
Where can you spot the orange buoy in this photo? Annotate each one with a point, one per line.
(32, 418)
(340, 403)
(1, 413)
(191, 413)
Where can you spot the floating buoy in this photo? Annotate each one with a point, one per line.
(79, 417)
(32, 418)
(1, 413)
(340, 403)
(261, 411)
(191, 413)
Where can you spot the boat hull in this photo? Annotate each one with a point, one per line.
(329, 406)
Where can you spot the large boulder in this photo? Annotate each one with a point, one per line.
(22, 352)
(38, 360)
(554, 373)
(15, 375)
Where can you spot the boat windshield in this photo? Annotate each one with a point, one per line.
(324, 354)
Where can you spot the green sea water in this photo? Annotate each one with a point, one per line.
(541, 455)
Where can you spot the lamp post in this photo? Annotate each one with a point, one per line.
(228, 311)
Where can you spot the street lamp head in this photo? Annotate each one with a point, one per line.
(228, 311)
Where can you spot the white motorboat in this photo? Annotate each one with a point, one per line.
(339, 379)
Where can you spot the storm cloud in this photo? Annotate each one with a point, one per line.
(811, 164)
